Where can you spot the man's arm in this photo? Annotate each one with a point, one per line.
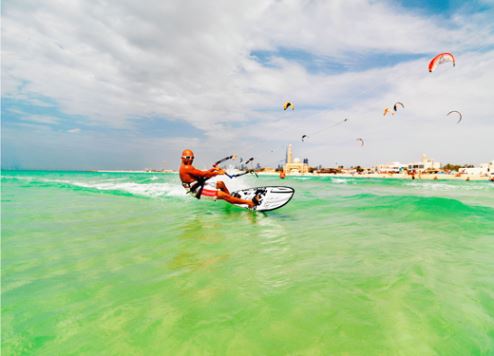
(205, 174)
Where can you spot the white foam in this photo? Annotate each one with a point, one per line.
(149, 190)
(142, 189)
(437, 186)
(339, 181)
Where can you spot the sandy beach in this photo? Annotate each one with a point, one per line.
(387, 176)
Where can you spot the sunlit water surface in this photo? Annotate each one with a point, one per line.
(121, 263)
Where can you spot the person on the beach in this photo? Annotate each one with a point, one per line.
(196, 182)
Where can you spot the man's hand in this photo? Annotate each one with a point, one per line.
(217, 170)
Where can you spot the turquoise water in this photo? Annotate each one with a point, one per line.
(121, 263)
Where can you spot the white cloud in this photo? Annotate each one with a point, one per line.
(189, 60)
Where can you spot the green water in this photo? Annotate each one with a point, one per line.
(119, 264)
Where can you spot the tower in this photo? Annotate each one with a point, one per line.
(289, 154)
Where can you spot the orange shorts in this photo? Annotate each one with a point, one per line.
(209, 190)
(209, 193)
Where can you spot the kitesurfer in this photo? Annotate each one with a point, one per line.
(196, 182)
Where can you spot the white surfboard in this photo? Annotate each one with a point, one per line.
(271, 198)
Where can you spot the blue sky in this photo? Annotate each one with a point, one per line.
(320, 64)
(83, 90)
(446, 7)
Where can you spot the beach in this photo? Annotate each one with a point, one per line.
(458, 177)
(126, 263)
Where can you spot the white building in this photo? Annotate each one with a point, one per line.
(394, 167)
(484, 170)
(472, 171)
(294, 165)
(425, 163)
(488, 168)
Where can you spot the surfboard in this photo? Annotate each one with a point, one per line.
(271, 198)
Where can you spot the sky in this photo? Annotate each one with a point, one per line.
(122, 84)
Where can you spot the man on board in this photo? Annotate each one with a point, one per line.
(196, 182)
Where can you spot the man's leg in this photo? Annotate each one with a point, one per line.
(221, 186)
(224, 194)
(233, 200)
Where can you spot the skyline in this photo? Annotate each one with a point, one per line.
(116, 85)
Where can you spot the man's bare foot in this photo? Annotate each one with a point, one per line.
(255, 201)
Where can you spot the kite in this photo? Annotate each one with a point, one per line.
(440, 59)
(459, 115)
(387, 111)
(303, 137)
(287, 105)
(395, 106)
(338, 123)
(361, 140)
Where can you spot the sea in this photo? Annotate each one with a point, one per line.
(106, 263)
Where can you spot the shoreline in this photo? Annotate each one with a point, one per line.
(402, 176)
(418, 177)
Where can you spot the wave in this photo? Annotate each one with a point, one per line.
(443, 186)
(152, 190)
(150, 187)
(115, 185)
(339, 181)
(432, 206)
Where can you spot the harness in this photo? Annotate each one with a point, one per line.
(195, 187)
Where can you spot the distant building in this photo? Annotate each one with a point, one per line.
(288, 158)
(484, 170)
(471, 171)
(488, 168)
(424, 164)
(267, 170)
(294, 165)
(394, 167)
